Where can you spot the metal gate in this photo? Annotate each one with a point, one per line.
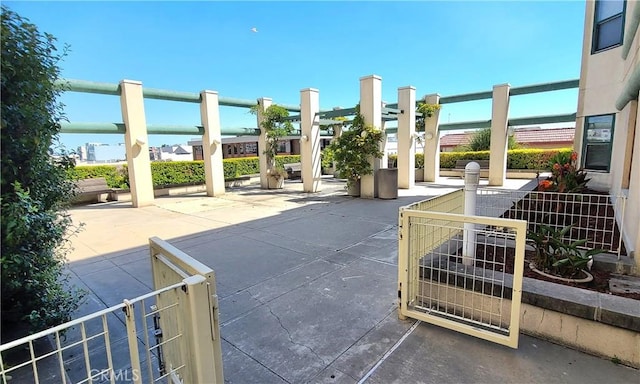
(170, 265)
(461, 272)
(170, 335)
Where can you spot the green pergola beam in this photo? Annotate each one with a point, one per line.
(84, 86)
(337, 113)
(548, 119)
(119, 128)
(465, 125)
(544, 87)
(515, 91)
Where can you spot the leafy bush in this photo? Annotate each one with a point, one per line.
(565, 175)
(35, 187)
(481, 141)
(115, 176)
(554, 255)
(448, 159)
(177, 173)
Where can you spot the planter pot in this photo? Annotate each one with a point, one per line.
(387, 183)
(587, 276)
(353, 188)
(275, 182)
(419, 174)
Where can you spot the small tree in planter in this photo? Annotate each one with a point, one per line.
(276, 126)
(427, 110)
(354, 148)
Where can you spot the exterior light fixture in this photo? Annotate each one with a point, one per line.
(304, 138)
(428, 135)
(140, 141)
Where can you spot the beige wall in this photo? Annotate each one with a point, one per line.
(602, 78)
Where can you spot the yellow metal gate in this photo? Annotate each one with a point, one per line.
(461, 272)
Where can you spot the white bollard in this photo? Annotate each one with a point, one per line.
(471, 181)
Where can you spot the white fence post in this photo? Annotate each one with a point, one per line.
(471, 181)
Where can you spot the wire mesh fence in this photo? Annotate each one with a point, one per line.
(458, 271)
(117, 344)
(590, 216)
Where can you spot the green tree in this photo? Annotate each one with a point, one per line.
(481, 141)
(35, 186)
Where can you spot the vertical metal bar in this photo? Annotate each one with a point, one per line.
(33, 362)
(85, 348)
(107, 345)
(2, 370)
(63, 374)
(403, 262)
(132, 338)
(146, 339)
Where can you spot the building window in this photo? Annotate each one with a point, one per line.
(608, 25)
(598, 136)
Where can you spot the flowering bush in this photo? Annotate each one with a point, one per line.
(565, 175)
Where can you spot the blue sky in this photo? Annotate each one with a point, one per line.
(448, 47)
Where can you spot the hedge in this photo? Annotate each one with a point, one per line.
(175, 172)
(192, 172)
(535, 159)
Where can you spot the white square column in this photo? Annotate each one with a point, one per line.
(263, 159)
(371, 110)
(432, 141)
(310, 140)
(136, 143)
(212, 143)
(406, 137)
(499, 135)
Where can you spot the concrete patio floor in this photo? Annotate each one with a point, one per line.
(307, 286)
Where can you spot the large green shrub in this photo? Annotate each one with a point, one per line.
(35, 187)
(448, 159)
(169, 173)
(116, 176)
(481, 141)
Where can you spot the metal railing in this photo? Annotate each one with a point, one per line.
(170, 335)
(436, 285)
(591, 216)
(96, 348)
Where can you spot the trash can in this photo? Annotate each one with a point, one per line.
(387, 183)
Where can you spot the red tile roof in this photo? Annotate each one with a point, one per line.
(526, 137)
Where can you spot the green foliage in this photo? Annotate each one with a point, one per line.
(115, 176)
(35, 187)
(427, 111)
(393, 160)
(275, 126)
(533, 159)
(169, 173)
(554, 255)
(355, 147)
(326, 158)
(448, 159)
(565, 175)
(481, 141)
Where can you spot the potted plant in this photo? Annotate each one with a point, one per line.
(275, 126)
(558, 259)
(353, 150)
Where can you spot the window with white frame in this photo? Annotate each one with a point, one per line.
(598, 138)
(608, 25)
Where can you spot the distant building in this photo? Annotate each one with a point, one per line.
(245, 146)
(527, 137)
(102, 153)
(180, 152)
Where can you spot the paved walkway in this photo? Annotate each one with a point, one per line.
(308, 289)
